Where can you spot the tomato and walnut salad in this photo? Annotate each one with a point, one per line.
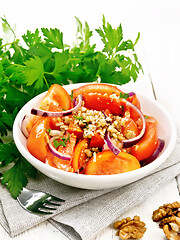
(97, 130)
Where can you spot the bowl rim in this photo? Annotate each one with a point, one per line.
(104, 178)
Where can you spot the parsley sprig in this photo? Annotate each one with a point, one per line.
(16, 177)
(124, 95)
(29, 65)
(78, 117)
(62, 142)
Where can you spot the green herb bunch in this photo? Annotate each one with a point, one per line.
(45, 60)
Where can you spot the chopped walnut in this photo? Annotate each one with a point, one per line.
(67, 119)
(167, 210)
(88, 153)
(130, 228)
(171, 228)
(95, 149)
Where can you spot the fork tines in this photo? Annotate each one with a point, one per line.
(49, 204)
(38, 202)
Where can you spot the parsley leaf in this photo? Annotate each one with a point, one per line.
(8, 153)
(34, 72)
(48, 130)
(71, 95)
(110, 37)
(53, 38)
(124, 95)
(126, 68)
(16, 177)
(59, 143)
(41, 51)
(61, 66)
(14, 97)
(83, 34)
(62, 142)
(6, 122)
(32, 39)
(78, 117)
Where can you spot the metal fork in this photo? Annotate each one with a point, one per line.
(38, 202)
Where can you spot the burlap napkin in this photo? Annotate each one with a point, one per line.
(85, 212)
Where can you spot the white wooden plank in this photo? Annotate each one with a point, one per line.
(163, 63)
(43, 231)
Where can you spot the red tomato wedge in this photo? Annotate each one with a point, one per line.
(49, 159)
(134, 100)
(37, 142)
(52, 123)
(130, 127)
(97, 88)
(96, 141)
(107, 163)
(100, 102)
(32, 121)
(77, 131)
(56, 98)
(148, 144)
(79, 158)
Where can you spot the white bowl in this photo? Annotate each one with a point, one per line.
(166, 128)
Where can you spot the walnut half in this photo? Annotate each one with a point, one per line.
(169, 217)
(167, 210)
(171, 228)
(130, 228)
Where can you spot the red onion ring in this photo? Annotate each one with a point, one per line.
(109, 143)
(42, 113)
(131, 94)
(155, 154)
(75, 102)
(24, 123)
(126, 142)
(130, 142)
(55, 152)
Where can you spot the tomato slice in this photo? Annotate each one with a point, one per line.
(49, 159)
(77, 131)
(79, 158)
(107, 163)
(32, 121)
(96, 141)
(130, 128)
(97, 88)
(56, 99)
(148, 144)
(101, 102)
(52, 123)
(134, 100)
(37, 142)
